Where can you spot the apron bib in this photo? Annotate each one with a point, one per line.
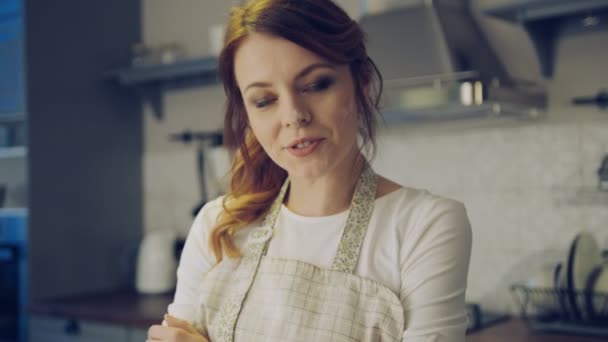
(259, 298)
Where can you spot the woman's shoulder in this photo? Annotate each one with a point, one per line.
(208, 216)
(416, 206)
(402, 196)
(209, 213)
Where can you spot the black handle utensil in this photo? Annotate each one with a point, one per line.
(204, 140)
(600, 100)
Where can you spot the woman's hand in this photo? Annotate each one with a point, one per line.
(177, 330)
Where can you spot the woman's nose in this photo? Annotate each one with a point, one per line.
(296, 114)
(299, 118)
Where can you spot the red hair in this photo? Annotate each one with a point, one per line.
(319, 26)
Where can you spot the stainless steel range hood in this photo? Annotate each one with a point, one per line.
(437, 64)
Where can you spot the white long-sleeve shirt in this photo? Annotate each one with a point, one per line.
(417, 244)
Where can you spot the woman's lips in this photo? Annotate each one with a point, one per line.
(305, 148)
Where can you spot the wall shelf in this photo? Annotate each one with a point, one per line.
(453, 113)
(151, 81)
(547, 20)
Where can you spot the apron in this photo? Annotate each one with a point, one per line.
(260, 298)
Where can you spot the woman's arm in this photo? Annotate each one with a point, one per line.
(196, 260)
(434, 259)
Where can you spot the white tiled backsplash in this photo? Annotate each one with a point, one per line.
(528, 189)
(528, 186)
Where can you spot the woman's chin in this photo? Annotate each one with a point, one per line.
(310, 171)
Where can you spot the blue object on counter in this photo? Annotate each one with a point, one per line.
(13, 273)
(13, 225)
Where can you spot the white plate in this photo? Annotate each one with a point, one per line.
(597, 292)
(584, 255)
(560, 289)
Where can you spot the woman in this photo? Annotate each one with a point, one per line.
(310, 244)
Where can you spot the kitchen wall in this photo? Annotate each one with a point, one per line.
(528, 186)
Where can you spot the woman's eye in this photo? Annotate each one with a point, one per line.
(262, 103)
(321, 84)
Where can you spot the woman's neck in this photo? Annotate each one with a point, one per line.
(327, 195)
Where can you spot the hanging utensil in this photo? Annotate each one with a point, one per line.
(204, 141)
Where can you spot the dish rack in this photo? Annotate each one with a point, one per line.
(563, 310)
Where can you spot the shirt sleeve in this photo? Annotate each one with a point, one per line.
(196, 260)
(434, 260)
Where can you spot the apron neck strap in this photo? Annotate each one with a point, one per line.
(361, 208)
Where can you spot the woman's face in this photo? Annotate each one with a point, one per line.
(294, 96)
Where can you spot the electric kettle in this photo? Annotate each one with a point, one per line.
(156, 263)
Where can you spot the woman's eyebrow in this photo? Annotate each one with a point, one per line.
(312, 67)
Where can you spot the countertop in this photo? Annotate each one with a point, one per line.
(515, 330)
(128, 308)
(123, 307)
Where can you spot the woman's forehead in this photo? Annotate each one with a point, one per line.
(263, 57)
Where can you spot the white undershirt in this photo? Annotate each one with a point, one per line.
(417, 244)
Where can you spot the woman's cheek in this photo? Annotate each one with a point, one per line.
(345, 115)
(265, 136)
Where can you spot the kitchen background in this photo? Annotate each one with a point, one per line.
(529, 185)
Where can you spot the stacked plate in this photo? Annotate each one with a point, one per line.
(580, 283)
